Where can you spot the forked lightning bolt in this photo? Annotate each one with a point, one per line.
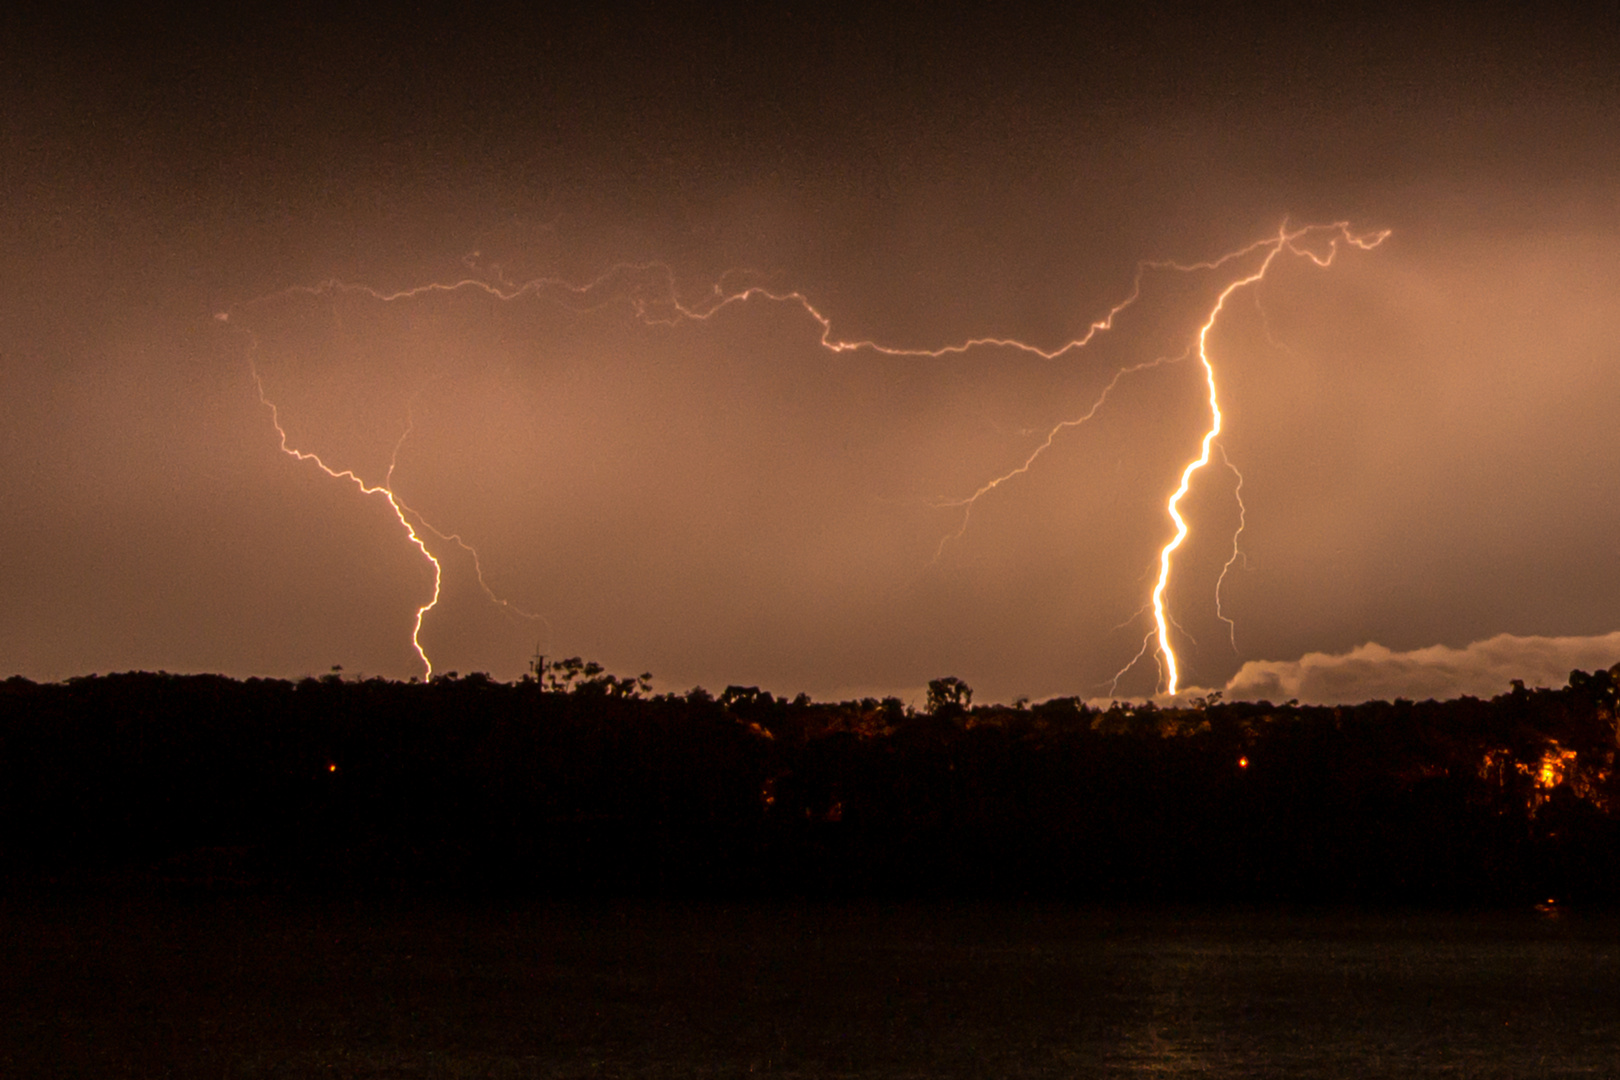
(400, 511)
(649, 289)
(1283, 241)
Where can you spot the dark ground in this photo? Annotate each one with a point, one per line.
(198, 984)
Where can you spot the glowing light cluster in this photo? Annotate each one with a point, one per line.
(1555, 766)
(649, 289)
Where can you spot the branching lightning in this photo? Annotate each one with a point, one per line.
(650, 291)
(966, 504)
(1283, 241)
(400, 511)
(1237, 552)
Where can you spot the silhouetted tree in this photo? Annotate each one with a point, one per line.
(949, 696)
(574, 780)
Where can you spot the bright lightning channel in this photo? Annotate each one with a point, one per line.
(399, 508)
(650, 290)
(403, 513)
(1283, 241)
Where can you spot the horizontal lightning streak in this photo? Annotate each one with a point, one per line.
(657, 303)
(647, 303)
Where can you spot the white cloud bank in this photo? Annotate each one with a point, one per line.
(1372, 672)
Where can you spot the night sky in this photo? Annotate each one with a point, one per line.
(1425, 430)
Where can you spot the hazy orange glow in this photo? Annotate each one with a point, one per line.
(804, 352)
(663, 307)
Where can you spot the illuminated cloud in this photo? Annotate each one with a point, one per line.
(1372, 672)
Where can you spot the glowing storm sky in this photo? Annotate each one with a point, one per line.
(1422, 430)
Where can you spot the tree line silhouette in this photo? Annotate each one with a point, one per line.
(572, 781)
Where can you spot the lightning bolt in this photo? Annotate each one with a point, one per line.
(1292, 242)
(449, 538)
(1283, 241)
(966, 504)
(402, 511)
(1237, 553)
(651, 292)
(399, 508)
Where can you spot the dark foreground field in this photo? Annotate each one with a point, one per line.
(212, 986)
